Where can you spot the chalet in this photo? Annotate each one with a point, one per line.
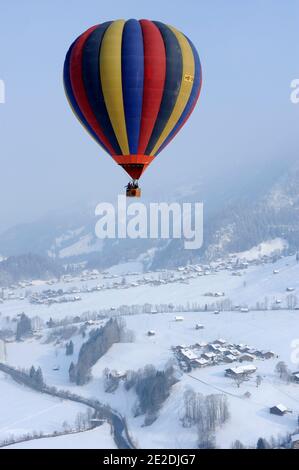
(279, 410)
(220, 341)
(258, 354)
(97, 420)
(213, 347)
(234, 352)
(252, 351)
(295, 441)
(295, 377)
(268, 354)
(229, 358)
(115, 374)
(209, 356)
(219, 294)
(241, 370)
(243, 348)
(246, 357)
(200, 362)
(151, 333)
(223, 350)
(188, 354)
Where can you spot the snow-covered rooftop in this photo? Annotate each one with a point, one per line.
(189, 354)
(281, 407)
(242, 369)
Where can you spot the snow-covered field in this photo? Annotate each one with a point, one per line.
(98, 438)
(24, 411)
(263, 249)
(252, 286)
(273, 330)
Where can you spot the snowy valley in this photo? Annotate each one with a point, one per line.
(235, 314)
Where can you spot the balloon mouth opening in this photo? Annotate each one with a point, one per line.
(134, 165)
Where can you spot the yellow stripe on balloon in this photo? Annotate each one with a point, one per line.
(111, 79)
(185, 88)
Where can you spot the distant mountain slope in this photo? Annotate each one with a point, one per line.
(274, 214)
(30, 266)
(255, 215)
(237, 217)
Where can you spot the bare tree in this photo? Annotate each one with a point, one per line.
(206, 439)
(282, 370)
(258, 381)
(207, 412)
(239, 379)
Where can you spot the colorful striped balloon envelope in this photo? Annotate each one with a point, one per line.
(132, 85)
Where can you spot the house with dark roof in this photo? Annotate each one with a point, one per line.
(279, 410)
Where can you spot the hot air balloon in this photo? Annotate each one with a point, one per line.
(132, 85)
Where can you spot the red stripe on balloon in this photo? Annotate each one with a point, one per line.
(79, 90)
(154, 79)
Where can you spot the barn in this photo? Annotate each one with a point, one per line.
(279, 410)
(238, 371)
(295, 441)
(295, 377)
(246, 357)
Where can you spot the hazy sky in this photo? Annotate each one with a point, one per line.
(249, 52)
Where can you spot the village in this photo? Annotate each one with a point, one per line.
(210, 320)
(220, 351)
(71, 287)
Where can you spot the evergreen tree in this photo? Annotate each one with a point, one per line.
(50, 323)
(69, 348)
(262, 444)
(23, 327)
(39, 380)
(72, 372)
(32, 372)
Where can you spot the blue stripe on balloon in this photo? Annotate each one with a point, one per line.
(71, 97)
(192, 97)
(132, 80)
